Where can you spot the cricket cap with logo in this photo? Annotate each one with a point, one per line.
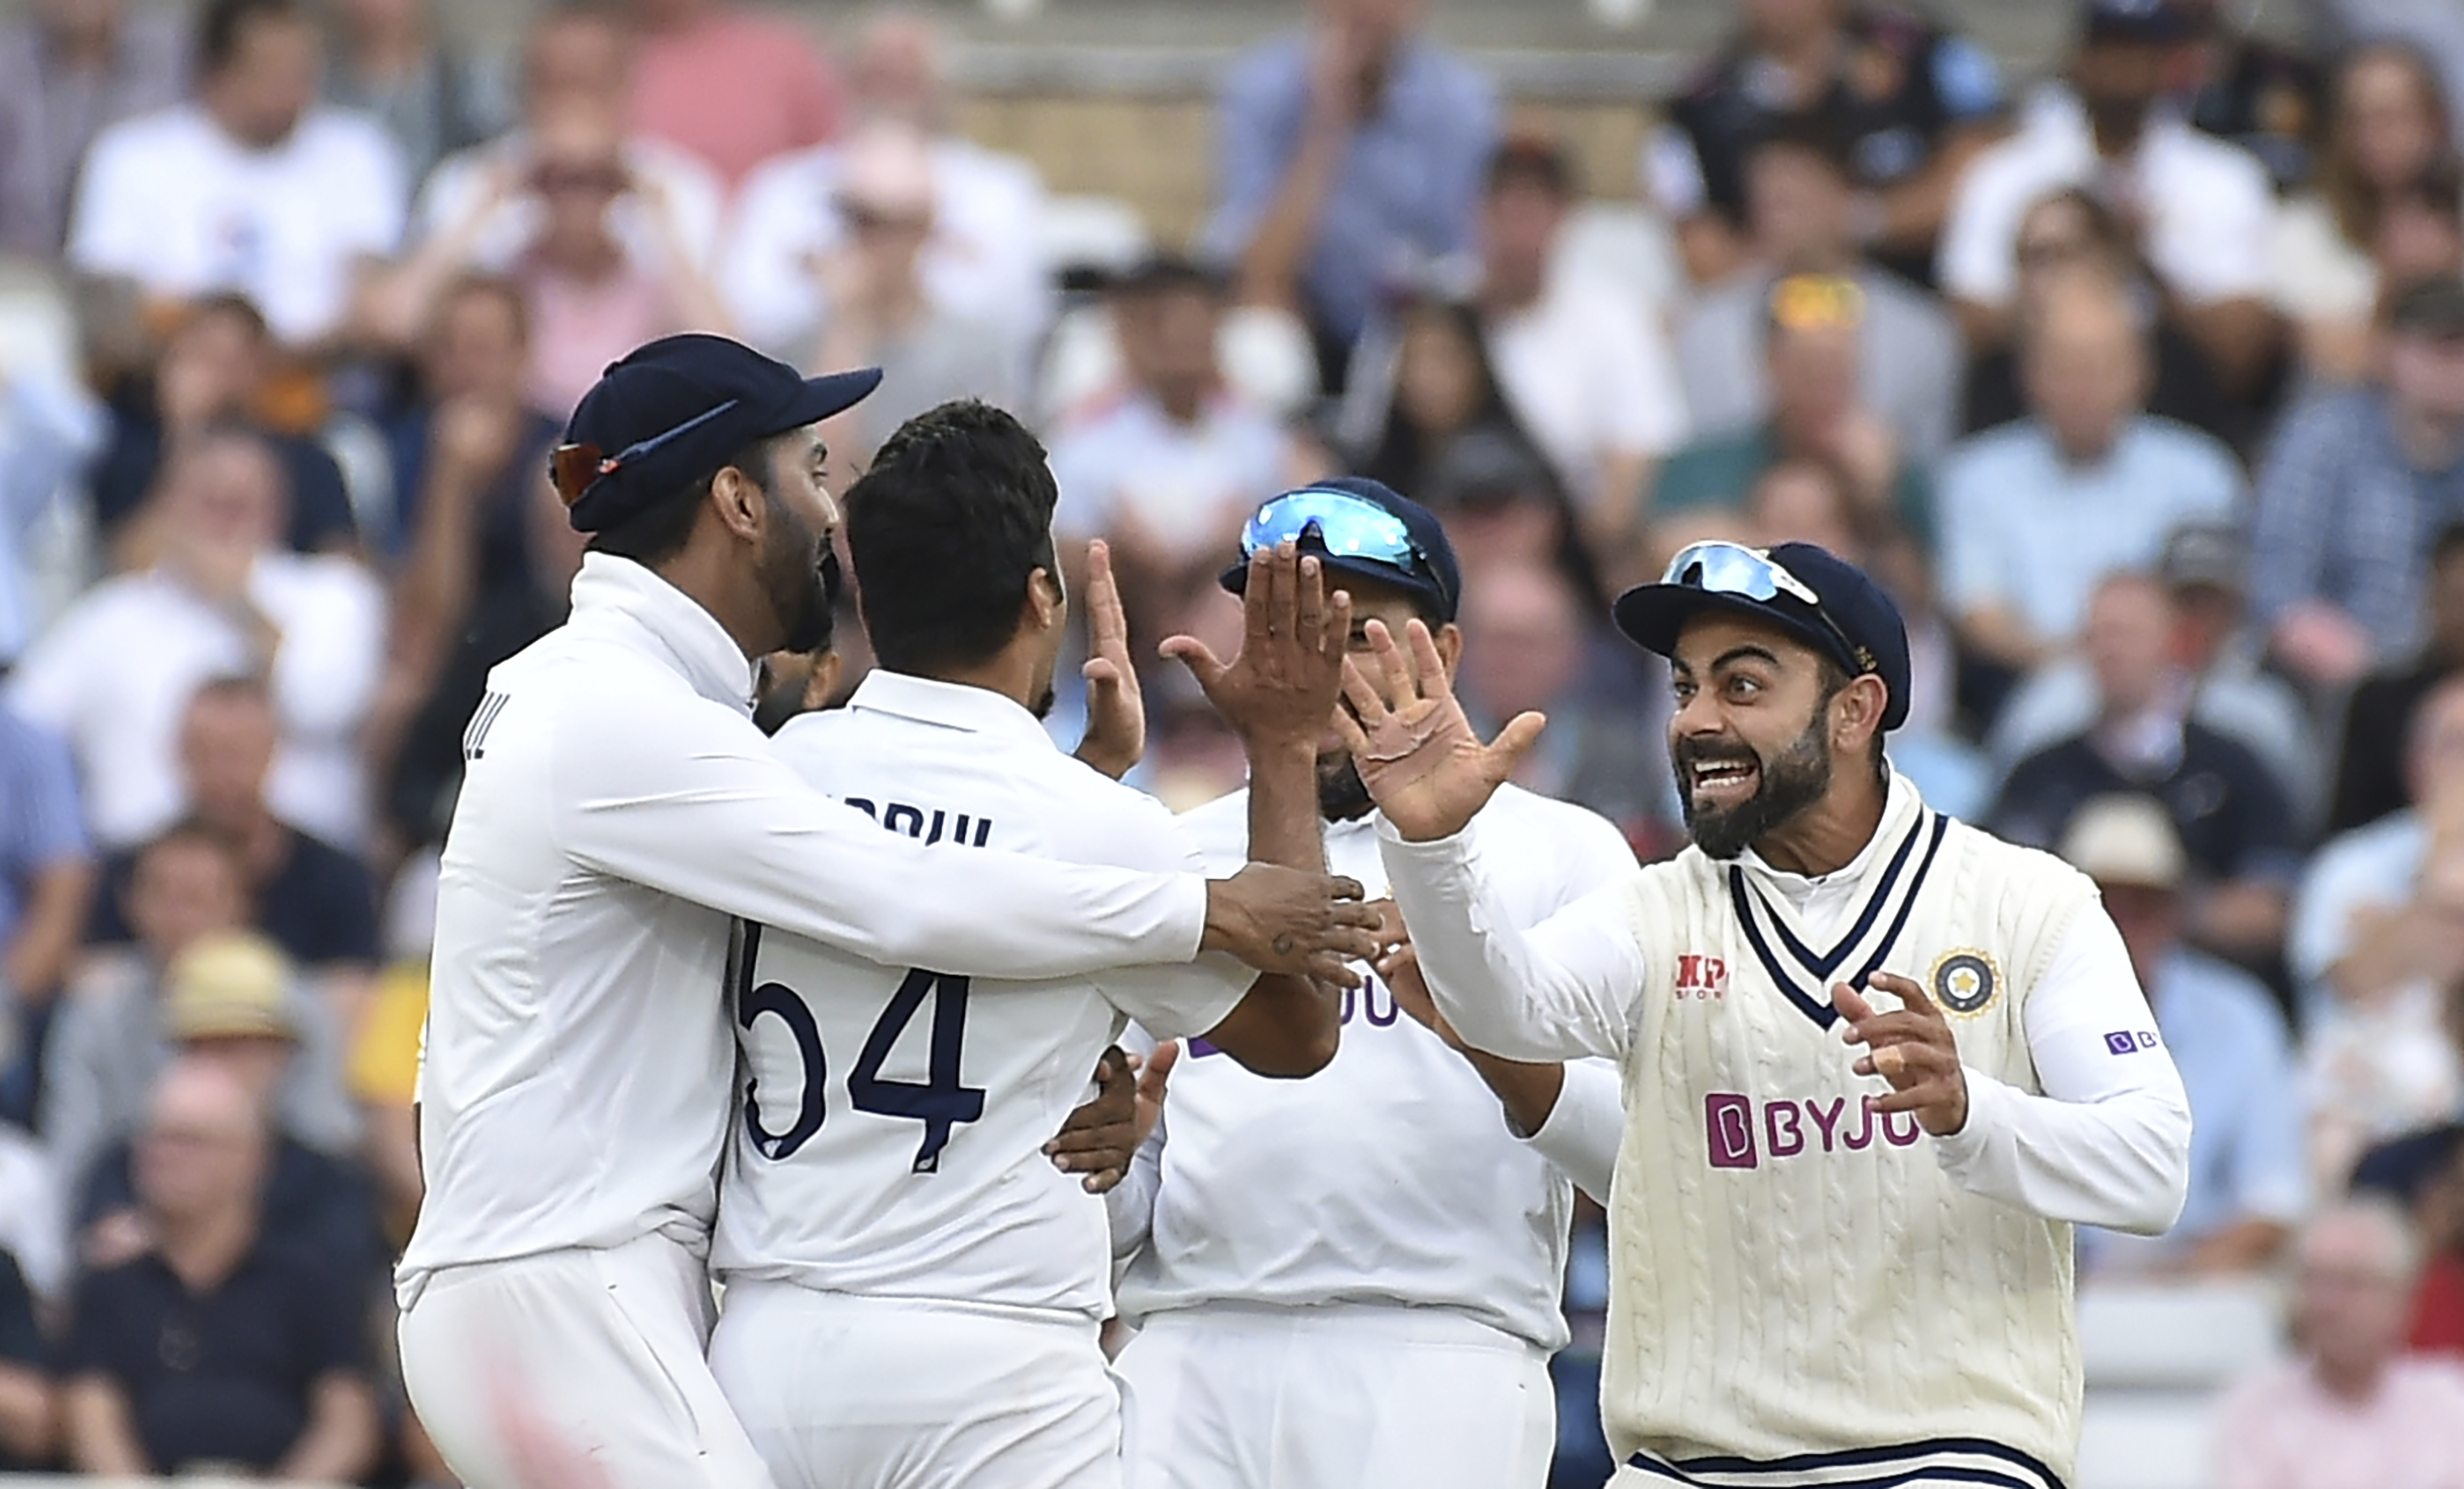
(1821, 599)
(1364, 528)
(670, 413)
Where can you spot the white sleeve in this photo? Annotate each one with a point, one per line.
(688, 800)
(1170, 1002)
(2109, 1142)
(1129, 1206)
(1560, 990)
(1585, 1126)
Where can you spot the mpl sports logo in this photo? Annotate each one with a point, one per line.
(1742, 1132)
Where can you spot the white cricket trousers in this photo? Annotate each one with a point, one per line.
(839, 1391)
(575, 1369)
(1339, 1396)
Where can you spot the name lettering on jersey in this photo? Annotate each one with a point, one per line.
(900, 817)
(1373, 1000)
(2129, 1041)
(475, 734)
(1700, 976)
(1740, 1133)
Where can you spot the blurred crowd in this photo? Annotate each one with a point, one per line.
(2140, 384)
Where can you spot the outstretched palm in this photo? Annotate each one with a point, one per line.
(1417, 752)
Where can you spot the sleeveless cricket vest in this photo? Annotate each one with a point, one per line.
(1796, 1286)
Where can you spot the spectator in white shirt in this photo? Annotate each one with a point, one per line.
(985, 259)
(114, 673)
(1167, 463)
(254, 187)
(578, 61)
(2204, 210)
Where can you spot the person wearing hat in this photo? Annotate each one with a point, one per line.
(1356, 1278)
(2249, 1180)
(1877, 1063)
(620, 814)
(2355, 488)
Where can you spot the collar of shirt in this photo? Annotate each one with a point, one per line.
(1899, 806)
(617, 592)
(950, 705)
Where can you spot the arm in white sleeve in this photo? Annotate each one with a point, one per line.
(1129, 1206)
(1557, 991)
(688, 800)
(1585, 1126)
(2109, 1142)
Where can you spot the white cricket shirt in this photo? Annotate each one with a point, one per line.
(893, 1117)
(1390, 1176)
(619, 813)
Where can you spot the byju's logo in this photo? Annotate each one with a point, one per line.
(1786, 1128)
(2127, 1041)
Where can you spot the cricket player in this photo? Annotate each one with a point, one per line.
(619, 813)
(1877, 1063)
(912, 1292)
(1353, 1280)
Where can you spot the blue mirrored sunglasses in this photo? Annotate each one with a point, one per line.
(1345, 526)
(1751, 573)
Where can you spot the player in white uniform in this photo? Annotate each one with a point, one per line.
(619, 813)
(1353, 1281)
(912, 1292)
(1877, 1063)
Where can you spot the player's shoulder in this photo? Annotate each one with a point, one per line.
(2011, 871)
(1549, 826)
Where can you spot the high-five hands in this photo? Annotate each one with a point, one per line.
(1911, 1049)
(1284, 682)
(1116, 711)
(1417, 752)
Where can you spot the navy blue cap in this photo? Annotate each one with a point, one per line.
(1870, 634)
(1441, 585)
(673, 411)
(2149, 22)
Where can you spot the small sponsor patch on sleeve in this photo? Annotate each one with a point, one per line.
(2129, 1041)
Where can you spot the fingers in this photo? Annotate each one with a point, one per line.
(1503, 758)
(1344, 887)
(1398, 687)
(1107, 631)
(1196, 655)
(1080, 1149)
(1105, 1181)
(1309, 606)
(1852, 1006)
(1348, 729)
(1428, 667)
(1101, 671)
(1366, 705)
(1334, 645)
(1910, 994)
(1158, 1071)
(1334, 968)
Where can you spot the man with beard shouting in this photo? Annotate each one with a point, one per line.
(619, 815)
(1877, 1063)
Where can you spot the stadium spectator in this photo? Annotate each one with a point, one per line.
(2430, 25)
(1501, 509)
(46, 881)
(217, 1348)
(2355, 487)
(2205, 568)
(1800, 208)
(2376, 942)
(2203, 209)
(1348, 162)
(117, 1029)
(2071, 231)
(432, 94)
(2034, 513)
(220, 602)
(1812, 329)
(2248, 1173)
(2424, 1171)
(2378, 719)
(256, 186)
(731, 83)
(1444, 389)
(2351, 1412)
(68, 71)
(2388, 133)
(215, 370)
(27, 1409)
(985, 259)
(2249, 89)
(230, 1007)
(577, 60)
(1586, 369)
(1526, 637)
(1909, 103)
(881, 313)
(2236, 825)
(1168, 463)
(314, 900)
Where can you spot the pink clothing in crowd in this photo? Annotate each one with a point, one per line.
(577, 328)
(2282, 1430)
(737, 88)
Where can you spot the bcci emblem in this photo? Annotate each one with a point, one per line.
(1965, 983)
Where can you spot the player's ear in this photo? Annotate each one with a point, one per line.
(1449, 639)
(1047, 605)
(1856, 713)
(739, 503)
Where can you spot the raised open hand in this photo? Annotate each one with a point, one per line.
(1282, 686)
(1417, 752)
(1913, 1049)
(1116, 710)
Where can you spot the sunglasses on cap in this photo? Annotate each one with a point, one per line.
(577, 468)
(1344, 525)
(1818, 303)
(1733, 568)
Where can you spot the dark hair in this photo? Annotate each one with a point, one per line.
(233, 687)
(2448, 545)
(946, 529)
(659, 532)
(475, 285)
(197, 831)
(1166, 273)
(219, 27)
(1406, 455)
(1531, 160)
(1818, 133)
(231, 304)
